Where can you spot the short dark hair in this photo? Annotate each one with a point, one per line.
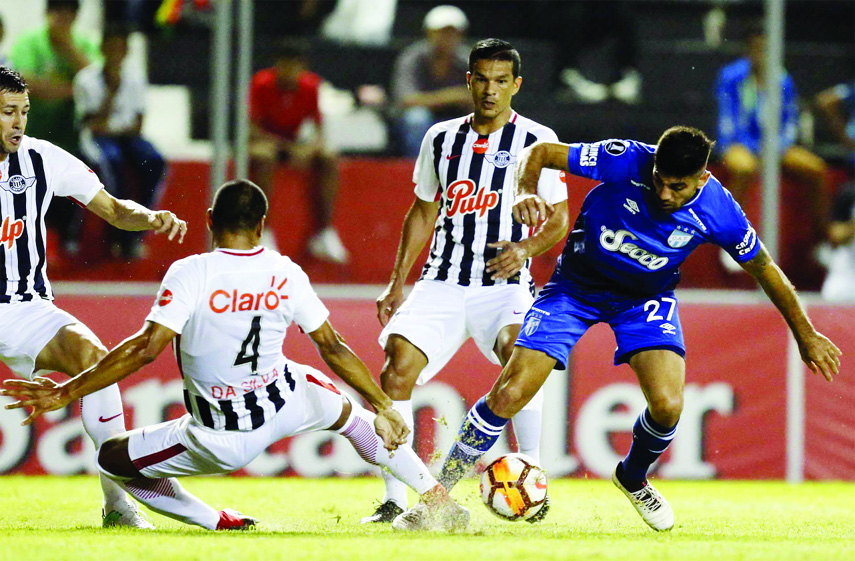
(238, 205)
(57, 5)
(11, 81)
(682, 152)
(290, 49)
(495, 49)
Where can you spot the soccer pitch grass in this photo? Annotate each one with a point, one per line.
(58, 518)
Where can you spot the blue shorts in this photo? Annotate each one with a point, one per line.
(563, 312)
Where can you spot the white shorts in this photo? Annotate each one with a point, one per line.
(185, 447)
(437, 317)
(25, 329)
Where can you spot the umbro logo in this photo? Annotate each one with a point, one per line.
(631, 206)
(668, 329)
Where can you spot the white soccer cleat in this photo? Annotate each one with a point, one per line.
(447, 516)
(327, 246)
(129, 516)
(649, 503)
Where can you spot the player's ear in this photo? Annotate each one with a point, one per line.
(469, 80)
(260, 228)
(517, 84)
(208, 220)
(705, 177)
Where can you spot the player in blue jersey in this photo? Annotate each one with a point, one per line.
(654, 205)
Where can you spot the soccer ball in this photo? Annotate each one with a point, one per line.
(514, 487)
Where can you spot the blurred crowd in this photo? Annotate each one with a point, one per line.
(90, 98)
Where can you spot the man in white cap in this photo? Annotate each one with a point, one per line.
(427, 83)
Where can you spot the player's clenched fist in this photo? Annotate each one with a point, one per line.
(390, 426)
(389, 302)
(531, 209)
(163, 221)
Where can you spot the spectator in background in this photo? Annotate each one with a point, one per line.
(837, 106)
(110, 104)
(740, 90)
(839, 284)
(281, 99)
(426, 83)
(48, 58)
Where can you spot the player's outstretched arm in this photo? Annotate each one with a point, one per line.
(817, 351)
(128, 215)
(43, 394)
(529, 209)
(418, 226)
(343, 361)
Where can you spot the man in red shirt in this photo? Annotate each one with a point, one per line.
(281, 98)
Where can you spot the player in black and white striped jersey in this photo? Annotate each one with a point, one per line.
(34, 334)
(227, 313)
(476, 282)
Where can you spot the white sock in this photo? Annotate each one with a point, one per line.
(404, 464)
(396, 490)
(105, 404)
(528, 424)
(169, 498)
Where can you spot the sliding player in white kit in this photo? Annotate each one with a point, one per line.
(476, 282)
(34, 333)
(226, 313)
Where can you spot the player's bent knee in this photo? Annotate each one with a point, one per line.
(666, 408)
(114, 459)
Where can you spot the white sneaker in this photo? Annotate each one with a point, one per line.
(729, 263)
(447, 516)
(649, 503)
(628, 88)
(327, 246)
(128, 515)
(585, 90)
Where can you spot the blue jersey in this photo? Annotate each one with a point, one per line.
(622, 243)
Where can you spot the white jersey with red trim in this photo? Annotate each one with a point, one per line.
(29, 179)
(472, 176)
(231, 309)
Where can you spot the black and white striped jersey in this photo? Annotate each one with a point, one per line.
(231, 309)
(29, 179)
(472, 175)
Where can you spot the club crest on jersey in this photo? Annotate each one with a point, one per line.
(680, 236)
(500, 159)
(532, 324)
(17, 184)
(464, 199)
(616, 147)
(11, 231)
(480, 146)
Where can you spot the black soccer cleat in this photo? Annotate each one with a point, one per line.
(384, 514)
(541, 514)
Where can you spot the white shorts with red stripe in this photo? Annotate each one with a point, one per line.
(438, 317)
(186, 447)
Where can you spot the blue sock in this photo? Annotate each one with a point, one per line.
(479, 432)
(649, 441)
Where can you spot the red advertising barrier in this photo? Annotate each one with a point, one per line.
(373, 198)
(734, 423)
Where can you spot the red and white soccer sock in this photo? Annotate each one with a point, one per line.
(169, 498)
(403, 463)
(528, 425)
(396, 490)
(103, 416)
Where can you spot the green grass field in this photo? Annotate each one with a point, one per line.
(56, 518)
